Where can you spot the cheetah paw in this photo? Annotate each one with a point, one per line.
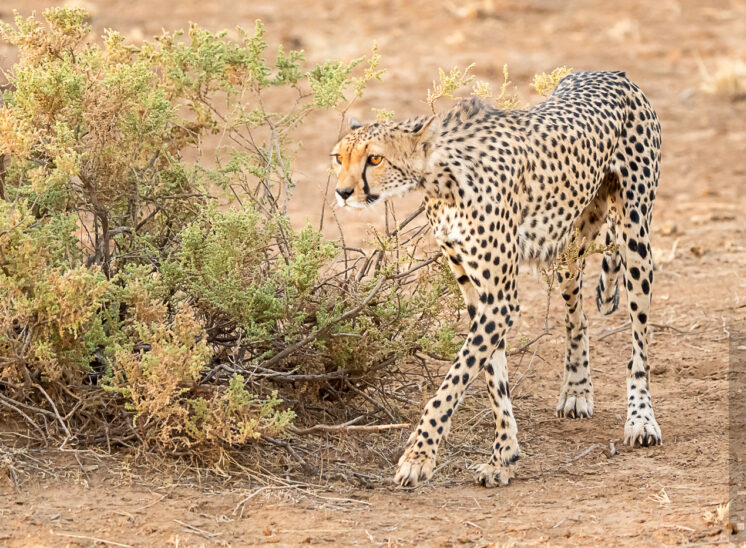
(573, 405)
(491, 475)
(413, 467)
(642, 432)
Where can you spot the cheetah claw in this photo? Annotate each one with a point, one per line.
(642, 432)
(575, 406)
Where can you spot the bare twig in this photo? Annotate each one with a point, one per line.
(54, 408)
(526, 346)
(246, 499)
(613, 330)
(6, 402)
(307, 468)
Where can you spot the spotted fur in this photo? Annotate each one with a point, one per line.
(509, 186)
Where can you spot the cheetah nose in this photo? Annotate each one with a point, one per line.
(345, 193)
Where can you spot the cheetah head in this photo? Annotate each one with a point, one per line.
(376, 161)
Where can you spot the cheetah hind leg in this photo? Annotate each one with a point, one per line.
(576, 395)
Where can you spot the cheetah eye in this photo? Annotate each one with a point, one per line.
(337, 159)
(375, 160)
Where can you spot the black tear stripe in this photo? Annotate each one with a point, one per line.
(366, 188)
(370, 198)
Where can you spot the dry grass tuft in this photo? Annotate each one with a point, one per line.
(728, 80)
(719, 516)
(544, 83)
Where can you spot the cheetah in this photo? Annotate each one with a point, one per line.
(503, 187)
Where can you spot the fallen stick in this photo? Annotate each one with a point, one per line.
(255, 493)
(526, 346)
(613, 330)
(584, 453)
(94, 539)
(656, 326)
(196, 530)
(349, 428)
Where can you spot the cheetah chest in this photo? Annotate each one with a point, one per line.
(449, 226)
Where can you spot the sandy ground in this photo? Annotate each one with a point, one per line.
(569, 489)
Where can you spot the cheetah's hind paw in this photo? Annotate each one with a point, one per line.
(494, 475)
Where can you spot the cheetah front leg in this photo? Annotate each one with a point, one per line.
(418, 461)
(484, 349)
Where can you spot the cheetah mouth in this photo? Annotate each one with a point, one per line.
(369, 200)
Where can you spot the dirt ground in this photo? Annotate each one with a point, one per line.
(569, 489)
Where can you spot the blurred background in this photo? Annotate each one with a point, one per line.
(687, 55)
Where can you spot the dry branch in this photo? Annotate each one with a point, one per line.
(274, 360)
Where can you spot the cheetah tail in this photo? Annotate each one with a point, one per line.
(607, 290)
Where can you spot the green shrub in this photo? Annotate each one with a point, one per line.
(136, 305)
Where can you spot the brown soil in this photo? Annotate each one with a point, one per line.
(569, 488)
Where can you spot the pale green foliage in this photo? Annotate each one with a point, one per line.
(228, 264)
(481, 89)
(119, 276)
(544, 83)
(449, 84)
(383, 115)
(372, 72)
(330, 80)
(49, 303)
(237, 416)
(143, 291)
(507, 99)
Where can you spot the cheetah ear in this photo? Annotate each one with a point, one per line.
(425, 135)
(355, 123)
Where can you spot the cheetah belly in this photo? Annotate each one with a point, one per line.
(540, 241)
